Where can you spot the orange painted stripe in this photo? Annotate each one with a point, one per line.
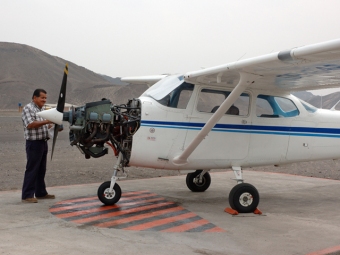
(109, 215)
(126, 194)
(330, 250)
(70, 207)
(215, 229)
(104, 208)
(161, 222)
(138, 217)
(187, 226)
(136, 197)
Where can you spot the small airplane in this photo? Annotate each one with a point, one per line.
(235, 115)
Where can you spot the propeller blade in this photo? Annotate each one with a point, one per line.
(55, 134)
(62, 94)
(60, 106)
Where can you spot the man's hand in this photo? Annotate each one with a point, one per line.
(38, 124)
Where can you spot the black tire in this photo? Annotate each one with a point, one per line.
(198, 187)
(244, 198)
(107, 199)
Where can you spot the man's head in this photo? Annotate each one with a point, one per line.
(39, 97)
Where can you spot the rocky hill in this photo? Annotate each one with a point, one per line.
(24, 68)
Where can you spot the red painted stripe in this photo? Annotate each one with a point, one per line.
(161, 222)
(113, 214)
(331, 250)
(103, 208)
(138, 217)
(137, 197)
(126, 194)
(187, 226)
(215, 229)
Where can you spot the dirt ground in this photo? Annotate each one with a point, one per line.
(70, 167)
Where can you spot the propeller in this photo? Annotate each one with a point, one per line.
(56, 114)
(60, 106)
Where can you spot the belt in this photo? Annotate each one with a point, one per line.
(44, 140)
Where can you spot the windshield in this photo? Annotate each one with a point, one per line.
(164, 87)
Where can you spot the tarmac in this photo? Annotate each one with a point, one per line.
(301, 215)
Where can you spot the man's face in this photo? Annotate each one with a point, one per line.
(41, 100)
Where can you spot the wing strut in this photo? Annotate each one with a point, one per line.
(245, 80)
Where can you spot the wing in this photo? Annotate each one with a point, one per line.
(305, 68)
(308, 67)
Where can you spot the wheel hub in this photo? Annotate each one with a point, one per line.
(198, 182)
(246, 199)
(108, 194)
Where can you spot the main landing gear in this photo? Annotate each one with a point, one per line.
(244, 197)
(198, 181)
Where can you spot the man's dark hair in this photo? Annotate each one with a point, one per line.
(37, 92)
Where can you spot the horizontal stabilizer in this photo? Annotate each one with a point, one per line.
(146, 80)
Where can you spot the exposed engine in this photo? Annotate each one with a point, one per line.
(101, 122)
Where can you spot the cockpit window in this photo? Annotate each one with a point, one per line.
(179, 97)
(310, 108)
(275, 107)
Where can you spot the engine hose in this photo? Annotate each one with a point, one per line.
(88, 139)
(99, 140)
(115, 151)
(116, 143)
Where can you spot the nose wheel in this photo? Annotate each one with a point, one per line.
(244, 198)
(107, 197)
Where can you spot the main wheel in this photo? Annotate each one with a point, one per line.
(106, 197)
(244, 198)
(194, 183)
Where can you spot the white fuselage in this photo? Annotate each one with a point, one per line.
(237, 140)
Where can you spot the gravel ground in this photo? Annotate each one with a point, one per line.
(70, 167)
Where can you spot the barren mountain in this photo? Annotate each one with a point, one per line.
(24, 68)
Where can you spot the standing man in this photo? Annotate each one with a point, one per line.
(36, 135)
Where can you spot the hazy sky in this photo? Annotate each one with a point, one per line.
(145, 37)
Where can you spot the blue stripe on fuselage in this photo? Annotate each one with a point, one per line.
(249, 129)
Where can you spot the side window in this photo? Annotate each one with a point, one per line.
(275, 107)
(210, 100)
(179, 97)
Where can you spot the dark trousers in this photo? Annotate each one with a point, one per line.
(34, 180)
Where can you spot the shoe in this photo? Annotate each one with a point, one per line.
(48, 196)
(30, 200)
